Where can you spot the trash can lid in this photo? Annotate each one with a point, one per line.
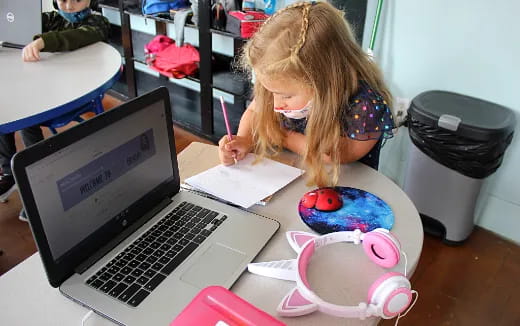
(463, 115)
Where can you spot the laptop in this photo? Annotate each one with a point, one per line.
(19, 22)
(113, 229)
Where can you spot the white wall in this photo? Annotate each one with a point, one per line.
(466, 46)
(47, 5)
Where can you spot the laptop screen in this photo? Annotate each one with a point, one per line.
(96, 179)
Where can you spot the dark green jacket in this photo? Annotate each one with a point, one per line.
(61, 35)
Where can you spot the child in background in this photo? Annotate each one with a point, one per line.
(316, 93)
(73, 26)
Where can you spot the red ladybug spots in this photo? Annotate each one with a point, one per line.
(324, 199)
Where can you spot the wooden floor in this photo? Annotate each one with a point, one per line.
(475, 284)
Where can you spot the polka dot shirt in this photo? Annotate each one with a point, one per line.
(366, 117)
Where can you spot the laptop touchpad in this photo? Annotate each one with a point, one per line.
(214, 267)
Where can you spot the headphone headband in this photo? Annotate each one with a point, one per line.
(387, 297)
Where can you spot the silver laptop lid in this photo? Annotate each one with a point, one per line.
(20, 20)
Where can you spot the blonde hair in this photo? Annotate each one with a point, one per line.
(311, 44)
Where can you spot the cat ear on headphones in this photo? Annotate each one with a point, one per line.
(55, 4)
(298, 238)
(294, 304)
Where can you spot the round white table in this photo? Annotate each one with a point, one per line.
(340, 273)
(35, 92)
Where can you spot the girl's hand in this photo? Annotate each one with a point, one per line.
(31, 52)
(229, 150)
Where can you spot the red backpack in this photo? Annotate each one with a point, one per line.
(157, 44)
(165, 57)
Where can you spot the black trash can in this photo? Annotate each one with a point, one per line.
(457, 141)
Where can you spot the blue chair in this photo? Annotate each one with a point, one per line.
(94, 106)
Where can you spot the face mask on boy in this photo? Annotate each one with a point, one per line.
(75, 17)
(296, 114)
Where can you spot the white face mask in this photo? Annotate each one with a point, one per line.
(296, 114)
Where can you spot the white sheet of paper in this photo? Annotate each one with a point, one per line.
(245, 184)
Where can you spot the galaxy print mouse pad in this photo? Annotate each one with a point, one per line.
(335, 209)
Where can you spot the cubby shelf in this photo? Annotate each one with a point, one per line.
(193, 98)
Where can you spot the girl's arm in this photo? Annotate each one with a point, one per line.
(350, 150)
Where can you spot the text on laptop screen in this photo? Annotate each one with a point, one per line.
(83, 186)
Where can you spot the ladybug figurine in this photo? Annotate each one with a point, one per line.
(323, 199)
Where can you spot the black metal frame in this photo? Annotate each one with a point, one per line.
(126, 35)
(205, 50)
(206, 73)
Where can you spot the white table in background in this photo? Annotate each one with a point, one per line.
(61, 82)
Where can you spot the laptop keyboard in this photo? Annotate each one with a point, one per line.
(133, 274)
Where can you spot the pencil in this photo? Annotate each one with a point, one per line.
(226, 121)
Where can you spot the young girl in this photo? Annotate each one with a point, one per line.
(316, 93)
(71, 27)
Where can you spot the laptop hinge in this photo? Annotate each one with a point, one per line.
(117, 240)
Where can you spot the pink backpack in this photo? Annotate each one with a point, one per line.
(157, 44)
(165, 57)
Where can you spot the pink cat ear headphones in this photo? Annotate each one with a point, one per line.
(389, 295)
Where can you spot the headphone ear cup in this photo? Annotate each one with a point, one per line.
(382, 248)
(391, 294)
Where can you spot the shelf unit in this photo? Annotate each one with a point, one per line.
(193, 98)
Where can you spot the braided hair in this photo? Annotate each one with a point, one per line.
(310, 44)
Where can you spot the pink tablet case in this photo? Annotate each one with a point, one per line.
(216, 304)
